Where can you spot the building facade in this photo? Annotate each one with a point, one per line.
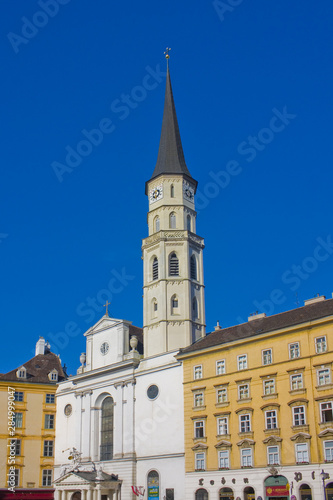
(27, 426)
(259, 408)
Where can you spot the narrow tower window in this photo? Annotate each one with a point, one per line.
(193, 264)
(157, 224)
(195, 308)
(173, 265)
(172, 222)
(172, 191)
(188, 221)
(154, 308)
(155, 268)
(106, 451)
(174, 304)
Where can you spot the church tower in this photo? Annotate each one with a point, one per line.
(174, 304)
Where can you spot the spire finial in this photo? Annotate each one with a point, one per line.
(167, 56)
(106, 308)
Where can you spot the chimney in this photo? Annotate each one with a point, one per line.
(318, 298)
(256, 315)
(40, 346)
(217, 327)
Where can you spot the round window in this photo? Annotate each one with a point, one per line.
(152, 392)
(68, 410)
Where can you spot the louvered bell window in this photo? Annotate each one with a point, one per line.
(173, 265)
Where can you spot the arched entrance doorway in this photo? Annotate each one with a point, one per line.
(76, 495)
(201, 494)
(249, 493)
(226, 494)
(329, 491)
(305, 492)
(276, 488)
(153, 485)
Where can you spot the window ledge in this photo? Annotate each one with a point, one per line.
(326, 425)
(200, 439)
(324, 387)
(270, 396)
(297, 391)
(244, 435)
(302, 463)
(300, 428)
(224, 468)
(246, 466)
(244, 400)
(273, 432)
(222, 405)
(196, 408)
(223, 436)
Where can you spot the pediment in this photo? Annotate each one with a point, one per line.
(103, 324)
(71, 478)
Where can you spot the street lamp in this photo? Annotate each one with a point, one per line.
(324, 476)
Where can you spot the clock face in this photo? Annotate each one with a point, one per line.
(68, 410)
(104, 348)
(156, 193)
(188, 192)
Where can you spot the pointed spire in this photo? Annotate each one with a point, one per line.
(170, 158)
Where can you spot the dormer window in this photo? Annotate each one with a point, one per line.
(53, 375)
(21, 372)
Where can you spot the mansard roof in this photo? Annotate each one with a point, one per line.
(170, 159)
(38, 369)
(310, 312)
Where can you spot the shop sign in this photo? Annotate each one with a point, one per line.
(277, 491)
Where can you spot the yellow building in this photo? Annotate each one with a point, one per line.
(27, 426)
(258, 407)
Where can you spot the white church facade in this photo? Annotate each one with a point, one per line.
(120, 419)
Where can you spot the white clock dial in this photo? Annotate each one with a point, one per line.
(104, 348)
(156, 193)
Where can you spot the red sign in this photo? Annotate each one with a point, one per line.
(277, 491)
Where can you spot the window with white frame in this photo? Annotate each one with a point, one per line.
(298, 415)
(220, 367)
(271, 419)
(48, 449)
(269, 386)
(18, 396)
(242, 362)
(243, 391)
(222, 395)
(302, 453)
(324, 376)
(49, 421)
(199, 429)
(321, 345)
(294, 351)
(267, 358)
(197, 371)
(200, 461)
(273, 455)
(198, 399)
(296, 381)
(49, 398)
(328, 451)
(326, 411)
(245, 423)
(47, 477)
(18, 420)
(246, 457)
(224, 461)
(222, 426)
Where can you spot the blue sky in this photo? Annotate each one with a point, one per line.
(252, 83)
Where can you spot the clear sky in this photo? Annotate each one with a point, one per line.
(252, 83)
